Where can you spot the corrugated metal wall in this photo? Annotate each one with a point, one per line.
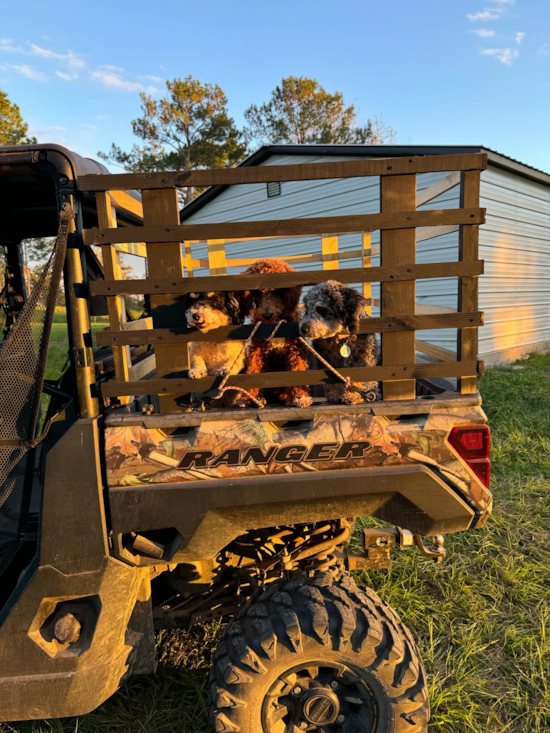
(515, 243)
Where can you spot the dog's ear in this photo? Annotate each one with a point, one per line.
(291, 298)
(234, 308)
(354, 304)
(186, 300)
(247, 302)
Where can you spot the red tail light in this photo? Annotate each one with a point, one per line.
(473, 443)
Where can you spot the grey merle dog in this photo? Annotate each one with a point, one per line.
(331, 317)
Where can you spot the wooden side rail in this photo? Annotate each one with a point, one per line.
(167, 246)
(277, 173)
(179, 384)
(183, 335)
(468, 286)
(319, 225)
(152, 286)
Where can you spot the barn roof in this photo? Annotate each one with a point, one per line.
(384, 151)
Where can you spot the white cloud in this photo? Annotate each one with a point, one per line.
(53, 134)
(153, 78)
(490, 14)
(544, 50)
(7, 44)
(67, 77)
(117, 69)
(484, 33)
(114, 81)
(519, 37)
(70, 58)
(30, 73)
(504, 55)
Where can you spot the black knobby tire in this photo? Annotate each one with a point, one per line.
(324, 626)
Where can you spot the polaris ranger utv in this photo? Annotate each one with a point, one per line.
(133, 502)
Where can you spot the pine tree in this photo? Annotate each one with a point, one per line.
(190, 128)
(302, 111)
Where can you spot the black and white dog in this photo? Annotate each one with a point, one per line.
(331, 320)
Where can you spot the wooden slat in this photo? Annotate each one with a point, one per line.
(329, 253)
(122, 200)
(402, 219)
(436, 351)
(445, 184)
(366, 254)
(275, 173)
(279, 280)
(138, 325)
(432, 232)
(165, 260)
(181, 385)
(143, 368)
(468, 286)
(181, 334)
(106, 216)
(398, 298)
(216, 256)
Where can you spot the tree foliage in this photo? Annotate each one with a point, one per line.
(302, 111)
(13, 130)
(190, 128)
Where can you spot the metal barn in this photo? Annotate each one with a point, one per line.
(514, 292)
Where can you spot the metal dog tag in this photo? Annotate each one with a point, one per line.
(345, 351)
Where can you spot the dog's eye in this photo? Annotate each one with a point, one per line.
(321, 311)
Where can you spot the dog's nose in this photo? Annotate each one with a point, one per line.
(268, 316)
(196, 317)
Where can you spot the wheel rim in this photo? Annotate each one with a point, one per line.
(320, 698)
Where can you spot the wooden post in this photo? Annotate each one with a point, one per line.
(106, 217)
(367, 287)
(160, 207)
(329, 253)
(398, 247)
(216, 256)
(468, 286)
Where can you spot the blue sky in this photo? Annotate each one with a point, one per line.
(438, 71)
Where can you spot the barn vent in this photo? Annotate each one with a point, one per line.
(273, 189)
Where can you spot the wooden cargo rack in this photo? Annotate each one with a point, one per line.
(171, 271)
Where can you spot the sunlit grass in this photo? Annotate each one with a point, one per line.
(481, 618)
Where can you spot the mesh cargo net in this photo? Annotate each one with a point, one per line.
(22, 364)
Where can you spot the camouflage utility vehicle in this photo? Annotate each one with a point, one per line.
(131, 502)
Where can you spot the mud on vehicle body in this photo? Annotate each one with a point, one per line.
(132, 502)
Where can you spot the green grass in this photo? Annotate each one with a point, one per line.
(59, 341)
(481, 618)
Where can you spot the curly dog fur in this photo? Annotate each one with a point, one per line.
(331, 320)
(270, 306)
(206, 311)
